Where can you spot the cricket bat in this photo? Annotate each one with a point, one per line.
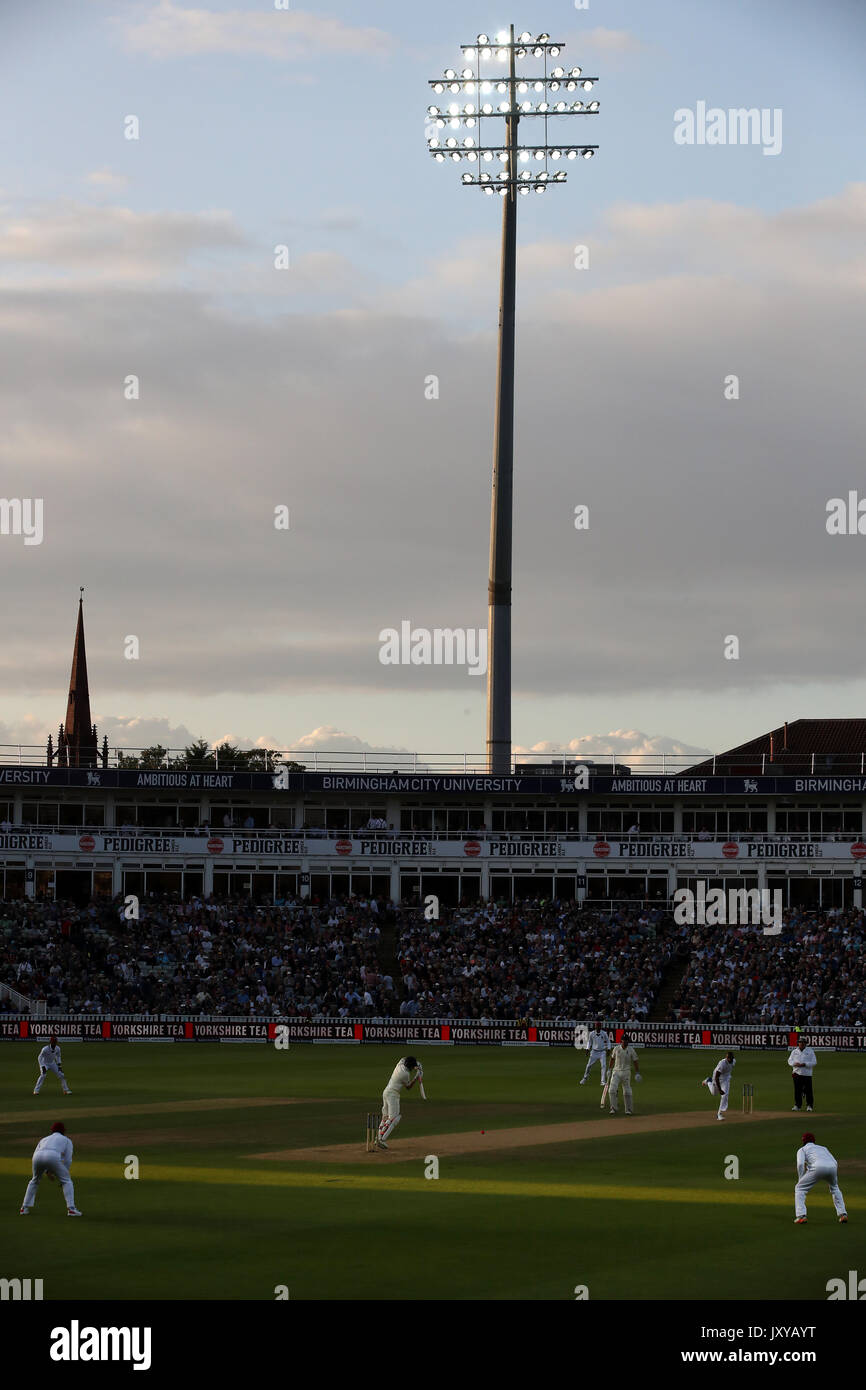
(604, 1095)
(423, 1092)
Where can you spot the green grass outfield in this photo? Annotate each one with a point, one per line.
(638, 1216)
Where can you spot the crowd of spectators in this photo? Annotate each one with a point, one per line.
(214, 956)
(813, 972)
(356, 958)
(544, 960)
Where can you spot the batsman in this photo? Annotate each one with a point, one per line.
(622, 1058)
(402, 1079)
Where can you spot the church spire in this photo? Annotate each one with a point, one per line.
(77, 742)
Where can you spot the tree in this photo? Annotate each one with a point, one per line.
(197, 756)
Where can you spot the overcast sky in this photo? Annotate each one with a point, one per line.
(305, 387)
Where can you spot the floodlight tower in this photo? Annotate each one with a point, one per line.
(474, 134)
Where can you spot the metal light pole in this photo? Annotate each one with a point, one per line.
(508, 183)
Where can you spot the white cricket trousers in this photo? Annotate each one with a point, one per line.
(49, 1163)
(593, 1058)
(723, 1091)
(51, 1066)
(620, 1078)
(827, 1173)
(390, 1112)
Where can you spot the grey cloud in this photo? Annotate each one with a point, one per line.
(707, 517)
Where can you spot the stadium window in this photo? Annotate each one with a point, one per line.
(40, 812)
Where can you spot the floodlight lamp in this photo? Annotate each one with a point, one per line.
(554, 51)
(587, 86)
(525, 37)
(502, 36)
(593, 106)
(587, 154)
(542, 38)
(449, 73)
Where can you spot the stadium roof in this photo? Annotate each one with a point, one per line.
(805, 747)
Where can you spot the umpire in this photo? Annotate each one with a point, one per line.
(802, 1062)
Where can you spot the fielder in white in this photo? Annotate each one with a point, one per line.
(52, 1157)
(719, 1084)
(621, 1059)
(598, 1045)
(401, 1080)
(816, 1164)
(49, 1060)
